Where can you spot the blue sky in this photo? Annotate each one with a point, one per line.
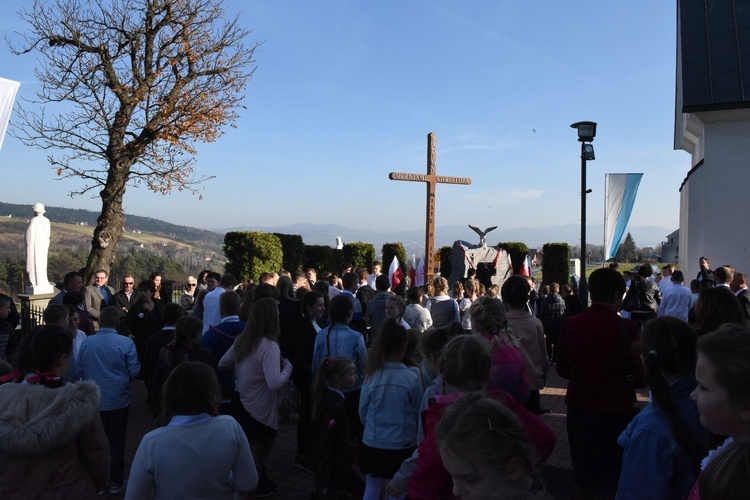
(346, 92)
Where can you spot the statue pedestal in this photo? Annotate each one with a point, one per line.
(32, 307)
(40, 290)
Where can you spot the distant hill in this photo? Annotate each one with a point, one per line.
(325, 234)
(413, 241)
(183, 234)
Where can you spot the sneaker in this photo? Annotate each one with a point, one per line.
(102, 492)
(304, 463)
(116, 488)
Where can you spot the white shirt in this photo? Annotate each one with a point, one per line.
(665, 283)
(371, 280)
(211, 316)
(675, 301)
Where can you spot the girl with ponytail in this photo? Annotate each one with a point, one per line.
(664, 444)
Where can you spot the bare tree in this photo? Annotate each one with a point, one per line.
(127, 87)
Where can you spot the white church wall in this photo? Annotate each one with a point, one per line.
(714, 216)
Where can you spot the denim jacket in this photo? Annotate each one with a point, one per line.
(653, 465)
(340, 340)
(389, 407)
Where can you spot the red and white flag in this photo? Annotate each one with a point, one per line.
(510, 264)
(497, 257)
(395, 274)
(526, 268)
(466, 255)
(419, 278)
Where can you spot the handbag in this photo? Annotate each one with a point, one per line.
(633, 301)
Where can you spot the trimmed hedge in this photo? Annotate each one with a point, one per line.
(446, 268)
(359, 254)
(556, 263)
(518, 252)
(294, 251)
(323, 258)
(250, 253)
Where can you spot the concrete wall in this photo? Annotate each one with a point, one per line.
(714, 203)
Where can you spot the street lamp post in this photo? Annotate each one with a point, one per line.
(586, 134)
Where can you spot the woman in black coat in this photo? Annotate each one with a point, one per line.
(643, 297)
(298, 347)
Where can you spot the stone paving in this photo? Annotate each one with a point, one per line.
(296, 484)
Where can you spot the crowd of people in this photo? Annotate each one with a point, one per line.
(432, 395)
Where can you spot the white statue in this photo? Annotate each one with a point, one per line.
(37, 245)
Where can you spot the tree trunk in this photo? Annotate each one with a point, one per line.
(110, 225)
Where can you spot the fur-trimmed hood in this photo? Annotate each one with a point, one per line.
(35, 418)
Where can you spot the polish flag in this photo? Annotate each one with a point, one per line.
(466, 255)
(419, 278)
(395, 274)
(497, 257)
(526, 268)
(510, 264)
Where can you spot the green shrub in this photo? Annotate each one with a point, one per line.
(446, 268)
(323, 258)
(294, 251)
(250, 253)
(556, 263)
(518, 252)
(359, 254)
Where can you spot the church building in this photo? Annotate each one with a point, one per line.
(712, 123)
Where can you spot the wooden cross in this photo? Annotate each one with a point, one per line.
(431, 178)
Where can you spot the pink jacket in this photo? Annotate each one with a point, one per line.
(430, 480)
(259, 379)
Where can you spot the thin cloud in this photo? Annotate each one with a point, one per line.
(512, 43)
(470, 140)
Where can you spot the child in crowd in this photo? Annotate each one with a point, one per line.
(334, 473)
(665, 442)
(185, 347)
(197, 454)
(483, 447)
(338, 339)
(52, 442)
(431, 347)
(723, 392)
(727, 477)
(489, 320)
(388, 408)
(516, 292)
(465, 365)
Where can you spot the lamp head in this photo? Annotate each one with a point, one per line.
(586, 130)
(587, 151)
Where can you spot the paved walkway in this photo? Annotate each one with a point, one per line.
(297, 484)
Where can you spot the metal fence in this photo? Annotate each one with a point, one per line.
(31, 316)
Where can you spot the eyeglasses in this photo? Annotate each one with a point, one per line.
(128, 284)
(192, 284)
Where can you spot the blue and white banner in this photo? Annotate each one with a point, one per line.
(620, 198)
(8, 90)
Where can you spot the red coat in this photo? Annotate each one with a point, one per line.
(430, 480)
(592, 357)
